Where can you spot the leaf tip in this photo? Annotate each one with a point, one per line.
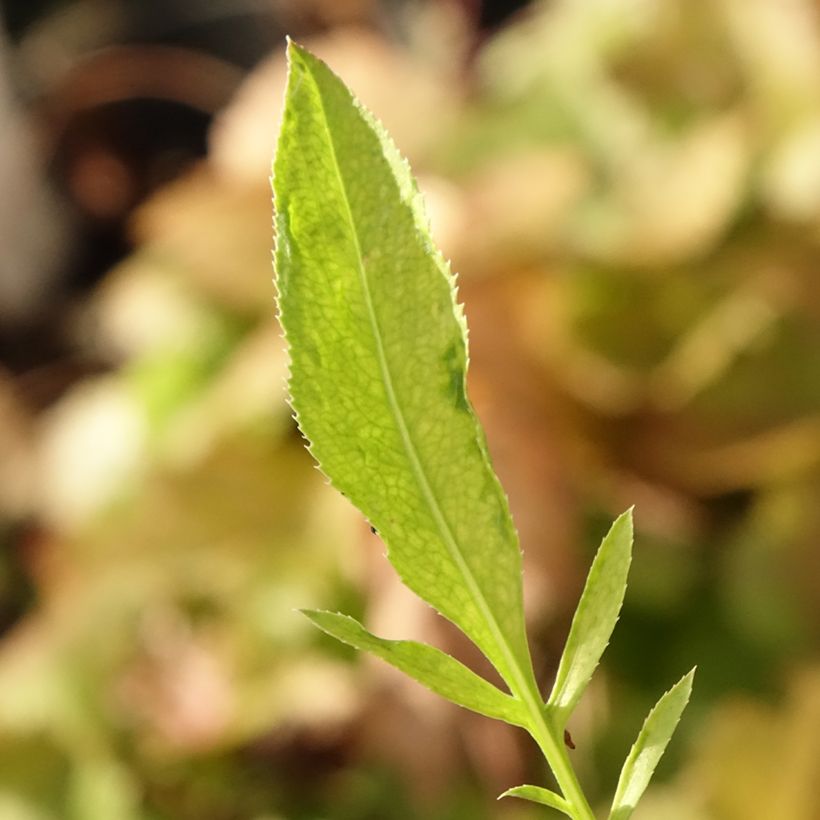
(298, 57)
(292, 47)
(626, 519)
(687, 681)
(315, 616)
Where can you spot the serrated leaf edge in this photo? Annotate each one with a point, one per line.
(515, 676)
(509, 709)
(558, 711)
(684, 687)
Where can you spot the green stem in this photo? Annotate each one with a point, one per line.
(553, 749)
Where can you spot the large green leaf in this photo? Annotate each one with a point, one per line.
(378, 363)
(428, 665)
(648, 749)
(595, 618)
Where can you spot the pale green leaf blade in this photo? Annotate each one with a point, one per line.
(648, 749)
(429, 666)
(536, 794)
(378, 363)
(595, 618)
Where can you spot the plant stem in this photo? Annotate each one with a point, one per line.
(553, 749)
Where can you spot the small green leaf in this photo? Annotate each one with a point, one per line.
(648, 749)
(595, 618)
(378, 363)
(535, 794)
(428, 665)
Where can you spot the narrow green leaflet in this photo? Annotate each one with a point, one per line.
(428, 665)
(595, 618)
(535, 794)
(648, 749)
(378, 363)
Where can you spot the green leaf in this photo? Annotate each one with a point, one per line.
(378, 363)
(648, 749)
(428, 665)
(594, 620)
(535, 794)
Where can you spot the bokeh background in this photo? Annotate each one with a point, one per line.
(630, 191)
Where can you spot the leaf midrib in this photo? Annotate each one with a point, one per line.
(519, 685)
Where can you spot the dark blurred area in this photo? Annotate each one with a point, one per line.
(630, 191)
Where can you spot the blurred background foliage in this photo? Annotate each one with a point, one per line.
(630, 191)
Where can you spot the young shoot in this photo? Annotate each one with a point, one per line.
(378, 349)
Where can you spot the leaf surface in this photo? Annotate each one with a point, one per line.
(378, 363)
(428, 665)
(536, 794)
(648, 749)
(594, 619)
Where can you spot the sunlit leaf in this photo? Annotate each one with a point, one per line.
(378, 363)
(648, 749)
(535, 794)
(595, 618)
(428, 665)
